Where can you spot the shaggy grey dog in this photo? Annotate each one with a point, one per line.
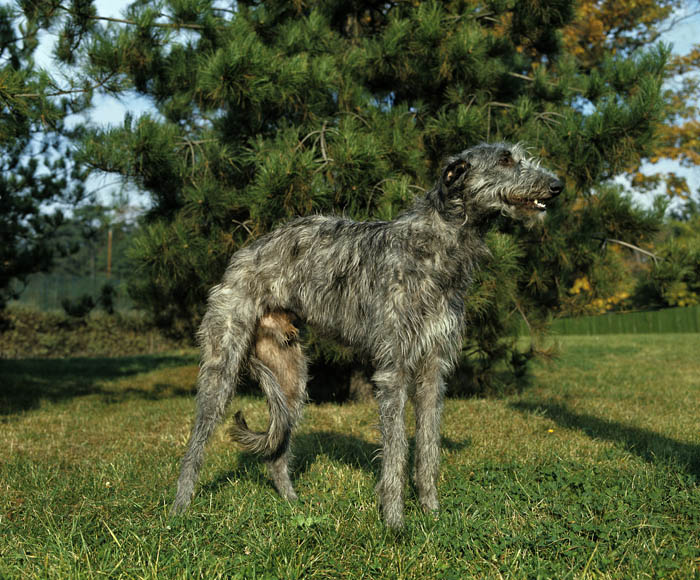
(392, 290)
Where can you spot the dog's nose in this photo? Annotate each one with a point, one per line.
(556, 188)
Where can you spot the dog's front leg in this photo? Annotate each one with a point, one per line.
(392, 404)
(428, 397)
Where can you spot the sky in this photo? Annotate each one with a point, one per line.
(682, 37)
(685, 34)
(106, 111)
(111, 111)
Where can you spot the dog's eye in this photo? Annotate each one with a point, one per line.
(506, 159)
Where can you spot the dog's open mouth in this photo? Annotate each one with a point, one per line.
(534, 204)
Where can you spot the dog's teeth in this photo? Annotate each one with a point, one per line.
(540, 204)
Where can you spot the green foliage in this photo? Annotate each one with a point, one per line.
(78, 308)
(28, 333)
(491, 364)
(37, 171)
(277, 109)
(83, 305)
(674, 279)
(83, 240)
(584, 247)
(107, 295)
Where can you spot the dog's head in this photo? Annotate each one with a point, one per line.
(495, 178)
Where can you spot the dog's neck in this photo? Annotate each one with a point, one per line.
(462, 223)
(451, 240)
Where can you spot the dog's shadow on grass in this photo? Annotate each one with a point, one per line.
(648, 445)
(347, 449)
(308, 448)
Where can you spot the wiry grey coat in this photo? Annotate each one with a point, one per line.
(392, 290)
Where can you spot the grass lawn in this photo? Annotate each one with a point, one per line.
(592, 472)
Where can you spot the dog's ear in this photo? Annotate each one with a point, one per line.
(453, 171)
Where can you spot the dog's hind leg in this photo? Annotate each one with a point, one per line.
(280, 367)
(225, 335)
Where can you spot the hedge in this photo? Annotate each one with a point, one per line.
(669, 320)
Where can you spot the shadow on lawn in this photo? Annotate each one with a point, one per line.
(308, 447)
(644, 443)
(24, 383)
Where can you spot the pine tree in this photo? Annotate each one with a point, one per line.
(36, 168)
(268, 110)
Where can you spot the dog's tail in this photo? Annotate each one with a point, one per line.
(279, 367)
(276, 439)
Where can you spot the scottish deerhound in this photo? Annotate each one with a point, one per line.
(392, 290)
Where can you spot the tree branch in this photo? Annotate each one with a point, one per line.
(172, 25)
(62, 92)
(530, 79)
(633, 247)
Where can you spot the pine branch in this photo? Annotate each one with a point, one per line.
(320, 140)
(635, 248)
(358, 117)
(64, 92)
(628, 245)
(520, 310)
(530, 79)
(546, 118)
(171, 25)
(190, 144)
(488, 117)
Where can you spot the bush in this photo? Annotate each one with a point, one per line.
(27, 333)
(78, 308)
